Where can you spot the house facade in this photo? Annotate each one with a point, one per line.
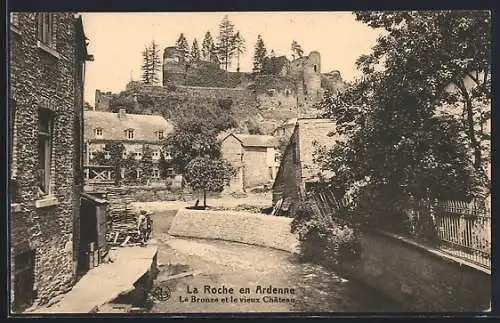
(139, 135)
(298, 169)
(47, 72)
(253, 156)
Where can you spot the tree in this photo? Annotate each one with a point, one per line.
(155, 62)
(163, 166)
(214, 58)
(191, 138)
(195, 51)
(182, 44)
(208, 174)
(396, 143)
(226, 41)
(116, 153)
(451, 50)
(151, 65)
(206, 47)
(239, 45)
(146, 66)
(259, 55)
(297, 50)
(146, 164)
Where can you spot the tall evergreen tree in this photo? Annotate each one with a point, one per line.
(259, 55)
(151, 64)
(206, 47)
(214, 58)
(195, 51)
(155, 62)
(226, 41)
(182, 44)
(146, 66)
(240, 48)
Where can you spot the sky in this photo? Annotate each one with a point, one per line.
(117, 39)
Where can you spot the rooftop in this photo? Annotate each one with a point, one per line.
(252, 140)
(145, 126)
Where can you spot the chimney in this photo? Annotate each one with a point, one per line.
(121, 113)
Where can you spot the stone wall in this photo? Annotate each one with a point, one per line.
(255, 229)
(256, 170)
(420, 278)
(44, 77)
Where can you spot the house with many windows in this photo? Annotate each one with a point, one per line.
(139, 138)
(47, 71)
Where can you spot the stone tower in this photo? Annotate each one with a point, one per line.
(174, 66)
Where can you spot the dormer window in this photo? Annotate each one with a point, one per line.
(129, 133)
(98, 132)
(160, 134)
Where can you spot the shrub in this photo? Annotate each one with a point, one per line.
(321, 239)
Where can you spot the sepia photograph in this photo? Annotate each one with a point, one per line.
(174, 163)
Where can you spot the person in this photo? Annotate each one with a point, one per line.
(142, 225)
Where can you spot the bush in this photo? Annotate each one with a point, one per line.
(324, 241)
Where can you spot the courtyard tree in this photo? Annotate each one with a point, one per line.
(259, 55)
(191, 138)
(208, 174)
(116, 156)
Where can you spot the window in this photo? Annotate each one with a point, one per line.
(107, 154)
(139, 172)
(124, 154)
(160, 134)
(156, 173)
(44, 149)
(98, 132)
(14, 19)
(45, 29)
(168, 156)
(122, 172)
(138, 155)
(129, 133)
(156, 154)
(92, 155)
(315, 68)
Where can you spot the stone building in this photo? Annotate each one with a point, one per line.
(134, 131)
(47, 72)
(102, 100)
(306, 71)
(254, 158)
(174, 66)
(298, 170)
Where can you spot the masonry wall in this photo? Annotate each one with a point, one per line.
(256, 168)
(232, 152)
(288, 179)
(41, 79)
(241, 227)
(419, 278)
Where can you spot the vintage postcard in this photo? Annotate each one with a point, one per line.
(250, 162)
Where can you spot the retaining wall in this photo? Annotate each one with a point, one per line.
(244, 227)
(418, 277)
